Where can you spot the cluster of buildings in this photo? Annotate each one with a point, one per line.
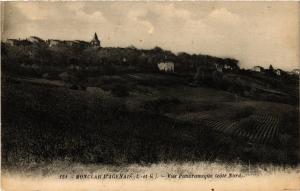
(165, 66)
(168, 66)
(278, 72)
(95, 42)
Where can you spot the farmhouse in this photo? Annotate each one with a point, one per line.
(227, 67)
(69, 42)
(53, 42)
(166, 66)
(18, 42)
(296, 72)
(278, 72)
(219, 67)
(35, 40)
(12, 42)
(257, 69)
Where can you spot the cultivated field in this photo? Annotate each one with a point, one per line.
(153, 118)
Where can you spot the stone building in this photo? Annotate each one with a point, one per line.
(36, 40)
(18, 42)
(54, 42)
(95, 41)
(257, 69)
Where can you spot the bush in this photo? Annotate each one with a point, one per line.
(119, 90)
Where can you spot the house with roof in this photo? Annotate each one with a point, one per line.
(18, 42)
(12, 42)
(257, 69)
(35, 40)
(54, 42)
(219, 67)
(296, 71)
(279, 72)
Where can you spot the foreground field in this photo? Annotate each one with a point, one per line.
(151, 121)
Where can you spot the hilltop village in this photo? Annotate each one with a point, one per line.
(67, 60)
(33, 40)
(166, 65)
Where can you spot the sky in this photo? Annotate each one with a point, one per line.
(255, 33)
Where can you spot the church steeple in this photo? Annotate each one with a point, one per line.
(95, 37)
(95, 41)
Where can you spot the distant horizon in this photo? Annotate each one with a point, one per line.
(255, 33)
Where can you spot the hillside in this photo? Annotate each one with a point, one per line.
(114, 106)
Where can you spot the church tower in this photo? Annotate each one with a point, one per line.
(95, 41)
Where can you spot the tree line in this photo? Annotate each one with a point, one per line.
(107, 59)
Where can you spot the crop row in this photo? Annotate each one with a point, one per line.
(264, 129)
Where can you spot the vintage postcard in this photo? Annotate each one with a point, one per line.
(150, 95)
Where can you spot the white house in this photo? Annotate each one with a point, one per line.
(12, 42)
(35, 40)
(278, 72)
(257, 69)
(219, 67)
(166, 66)
(54, 42)
(227, 67)
(296, 71)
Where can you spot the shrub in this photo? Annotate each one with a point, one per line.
(119, 90)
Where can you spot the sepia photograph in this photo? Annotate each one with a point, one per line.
(150, 95)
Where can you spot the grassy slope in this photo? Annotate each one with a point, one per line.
(43, 123)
